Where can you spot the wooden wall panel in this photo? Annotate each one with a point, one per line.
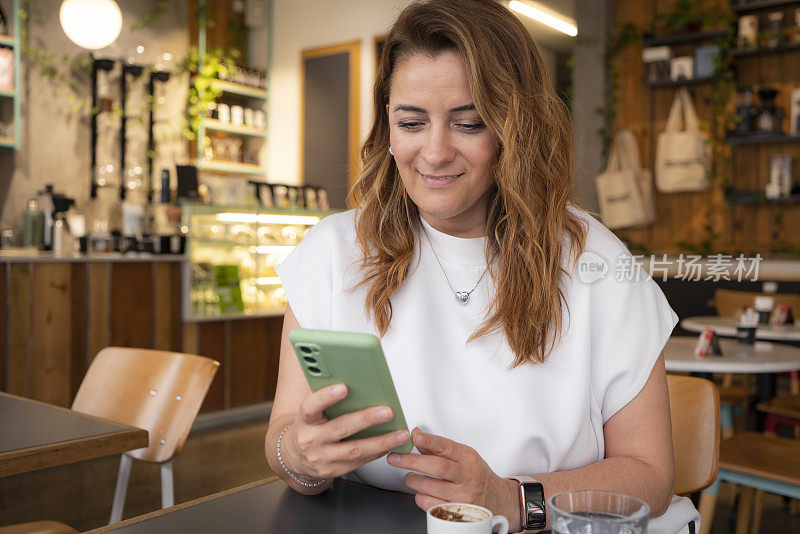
(167, 310)
(61, 314)
(253, 360)
(3, 328)
(212, 344)
(682, 216)
(132, 305)
(79, 337)
(52, 319)
(274, 327)
(191, 338)
(99, 312)
(19, 329)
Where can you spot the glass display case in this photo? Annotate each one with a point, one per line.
(231, 259)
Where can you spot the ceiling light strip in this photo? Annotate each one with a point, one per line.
(556, 22)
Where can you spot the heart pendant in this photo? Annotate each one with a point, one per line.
(462, 296)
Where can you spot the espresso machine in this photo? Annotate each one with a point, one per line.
(54, 206)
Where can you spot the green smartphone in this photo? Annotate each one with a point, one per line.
(357, 361)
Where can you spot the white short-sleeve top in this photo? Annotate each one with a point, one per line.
(522, 421)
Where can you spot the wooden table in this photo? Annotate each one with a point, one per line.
(36, 436)
(269, 506)
(726, 327)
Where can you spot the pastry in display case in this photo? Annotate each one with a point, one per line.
(233, 252)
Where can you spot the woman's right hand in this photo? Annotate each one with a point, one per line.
(315, 447)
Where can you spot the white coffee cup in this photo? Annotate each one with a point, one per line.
(480, 520)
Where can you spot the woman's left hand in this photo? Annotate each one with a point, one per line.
(457, 473)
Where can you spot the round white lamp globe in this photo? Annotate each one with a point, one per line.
(91, 24)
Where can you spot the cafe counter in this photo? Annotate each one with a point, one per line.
(58, 311)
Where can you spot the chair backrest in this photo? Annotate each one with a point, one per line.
(158, 391)
(729, 302)
(694, 404)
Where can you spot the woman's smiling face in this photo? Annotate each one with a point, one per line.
(443, 151)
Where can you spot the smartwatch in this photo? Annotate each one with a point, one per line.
(531, 494)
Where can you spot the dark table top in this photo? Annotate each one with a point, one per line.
(36, 435)
(270, 507)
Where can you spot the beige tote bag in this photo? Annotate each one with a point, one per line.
(682, 154)
(624, 189)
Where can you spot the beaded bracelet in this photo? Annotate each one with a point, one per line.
(295, 477)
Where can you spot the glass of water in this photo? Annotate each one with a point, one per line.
(597, 512)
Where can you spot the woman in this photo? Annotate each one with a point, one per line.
(463, 256)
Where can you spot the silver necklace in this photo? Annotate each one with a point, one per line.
(461, 296)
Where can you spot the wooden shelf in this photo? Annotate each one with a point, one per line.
(750, 7)
(212, 316)
(763, 51)
(240, 89)
(8, 142)
(735, 196)
(231, 168)
(7, 40)
(228, 242)
(213, 124)
(683, 38)
(679, 83)
(759, 138)
(9, 93)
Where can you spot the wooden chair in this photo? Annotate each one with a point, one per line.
(38, 527)
(759, 463)
(733, 396)
(156, 390)
(694, 406)
(781, 410)
(729, 302)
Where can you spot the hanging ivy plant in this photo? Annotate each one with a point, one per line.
(628, 34)
(203, 93)
(690, 16)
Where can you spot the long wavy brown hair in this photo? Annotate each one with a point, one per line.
(527, 217)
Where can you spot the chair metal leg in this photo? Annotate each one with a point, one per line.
(167, 485)
(121, 490)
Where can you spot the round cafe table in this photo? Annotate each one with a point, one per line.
(726, 327)
(762, 358)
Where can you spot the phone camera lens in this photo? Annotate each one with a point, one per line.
(310, 360)
(315, 370)
(305, 349)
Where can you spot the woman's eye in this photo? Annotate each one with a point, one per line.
(409, 125)
(473, 127)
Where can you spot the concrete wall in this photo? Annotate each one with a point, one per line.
(588, 90)
(56, 142)
(304, 24)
